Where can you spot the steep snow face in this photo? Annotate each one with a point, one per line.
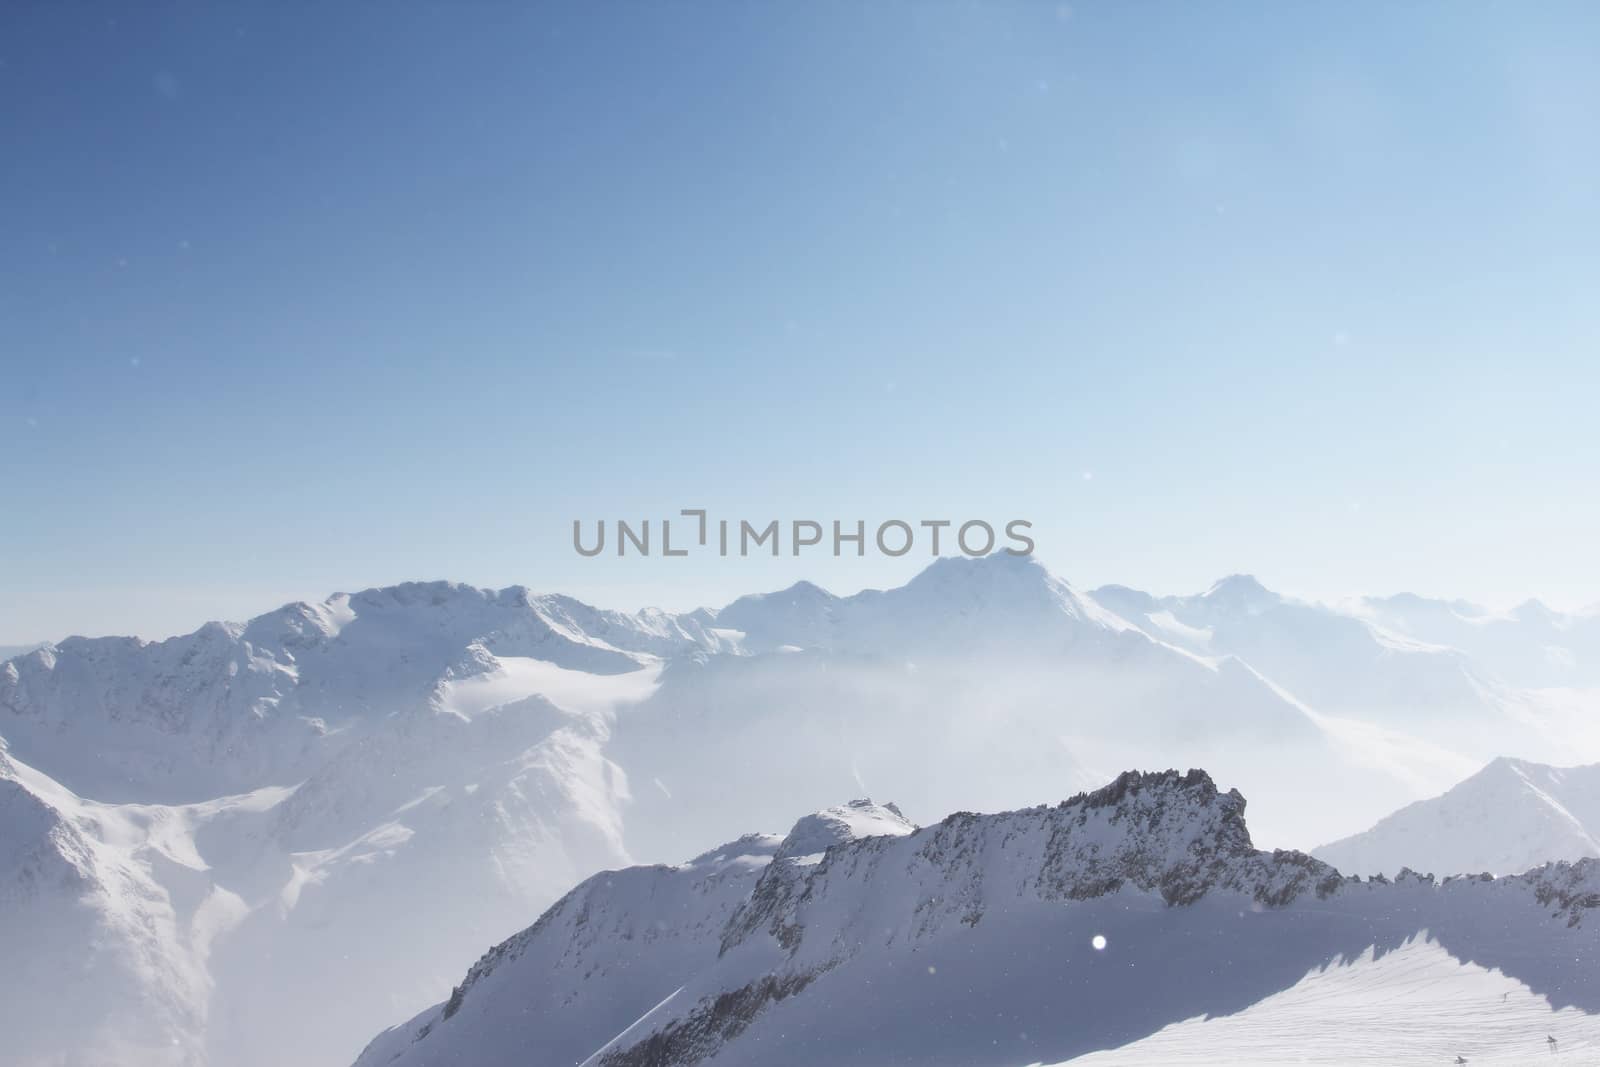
(470, 825)
(800, 616)
(1042, 935)
(815, 834)
(230, 708)
(1240, 594)
(426, 749)
(181, 720)
(1509, 817)
(86, 933)
(610, 951)
(187, 934)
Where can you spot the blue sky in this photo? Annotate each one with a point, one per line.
(296, 299)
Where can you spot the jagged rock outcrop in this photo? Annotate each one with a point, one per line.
(1171, 834)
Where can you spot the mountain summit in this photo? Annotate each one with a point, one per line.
(1509, 817)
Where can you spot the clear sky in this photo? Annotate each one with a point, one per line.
(297, 298)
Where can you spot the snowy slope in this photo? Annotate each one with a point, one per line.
(1416, 1004)
(327, 774)
(1509, 817)
(451, 832)
(97, 958)
(231, 707)
(612, 949)
(188, 933)
(1121, 919)
(1337, 663)
(1531, 645)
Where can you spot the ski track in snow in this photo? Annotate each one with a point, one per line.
(640, 1021)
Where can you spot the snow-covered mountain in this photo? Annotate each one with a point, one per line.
(225, 708)
(1106, 922)
(1509, 817)
(607, 952)
(1337, 663)
(257, 807)
(320, 778)
(1007, 603)
(1530, 645)
(98, 966)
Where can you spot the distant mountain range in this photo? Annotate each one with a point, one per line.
(345, 802)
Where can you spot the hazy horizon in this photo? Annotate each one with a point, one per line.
(1303, 292)
(188, 613)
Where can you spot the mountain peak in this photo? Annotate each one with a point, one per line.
(1240, 591)
(1016, 579)
(1501, 764)
(822, 830)
(994, 563)
(419, 593)
(1165, 831)
(1534, 610)
(1130, 783)
(809, 590)
(1509, 817)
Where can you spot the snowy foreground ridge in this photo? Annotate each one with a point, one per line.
(1132, 924)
